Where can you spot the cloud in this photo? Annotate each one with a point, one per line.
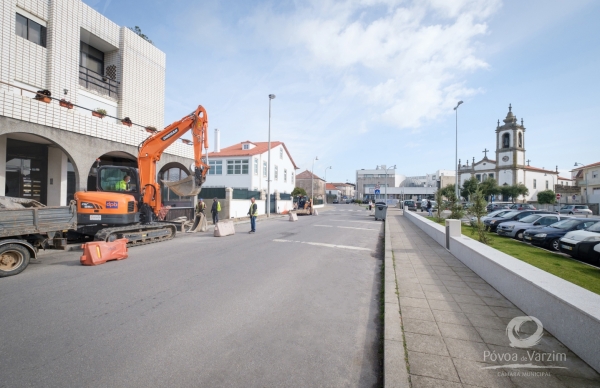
(406, 60)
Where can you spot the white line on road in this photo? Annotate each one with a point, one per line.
(326, 226)
(325, 245)
(363, 222)
(350, 227)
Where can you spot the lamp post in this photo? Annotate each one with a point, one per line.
(271, 96)
(386, 181)
(325, 177)
(312, 183)
(456, 151)
(326, 173)
(586, 182)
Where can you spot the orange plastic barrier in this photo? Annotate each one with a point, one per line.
(99, 252)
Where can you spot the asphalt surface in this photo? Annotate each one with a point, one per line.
(294, 305)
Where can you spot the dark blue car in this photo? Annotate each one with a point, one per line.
(549, 236)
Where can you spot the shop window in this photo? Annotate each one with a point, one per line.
(26, 170)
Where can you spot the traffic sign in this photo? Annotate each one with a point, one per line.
(574, 196)
(377, 191)
(377, 187)
(558, 195)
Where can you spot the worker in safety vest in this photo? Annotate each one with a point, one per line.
(253, 212)
(200, 207)
(215, 209)
(123, 185)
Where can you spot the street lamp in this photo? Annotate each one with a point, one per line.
(456, 154)
(326, 173)
(271, 96)
(312, 184)
(386, 181)
(586, 182)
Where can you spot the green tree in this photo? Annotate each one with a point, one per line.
(478, 209)
(546, 197)
(298, 191)
(448, 192)
(521, 189)
(469, 187)
(138, 31)
(490, 187)
(507, 192)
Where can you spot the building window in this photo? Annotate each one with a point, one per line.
(281, 153)
(478, 176)
(285, 175)
(216, 167)
(535, 184)
(546, 185)
(237, 167)
(594, 174)
(30, 30)
(292, 178)
(276, 173)
(491, 176)
(265, 169)
(246, 146)
(520, 140)
(255, 166)
(506, 140)
(91, 58)
(484, 177)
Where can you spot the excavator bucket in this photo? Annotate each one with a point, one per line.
(184, 188)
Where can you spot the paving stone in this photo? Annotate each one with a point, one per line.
(427, 382)
(450, 317)
(468, 350)
(430, 365)
(406, 301)
(467, 333)
(425, 344)
(444, 305)
(434, 288)
(468, 299)
(420, 327)
(507, 312)
(431, 281)
(537, 381)
(472, 372)
(488, 293)
(486, 321)
(417, 313)
(576, 367)
(493, 336)
(438, 296)
(578, 382)
(498, 302)
(476, 309)
(412, 293)
(460, 290)
(453, 283)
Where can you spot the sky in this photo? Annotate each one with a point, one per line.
(362, 83)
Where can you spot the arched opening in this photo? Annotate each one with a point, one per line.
(173, 171)
(37, 168)
(506, 140)
(113, 158)
(520, 140)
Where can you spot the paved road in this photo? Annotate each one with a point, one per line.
(296, 304)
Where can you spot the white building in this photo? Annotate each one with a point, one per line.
(510, 166)
(244, 165)
(47, 150)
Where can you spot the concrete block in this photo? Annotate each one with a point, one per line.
(293, 216)
(315, 212)
(454, 227)
(224, 228)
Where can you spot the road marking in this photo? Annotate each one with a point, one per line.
(326, 226)
(362, 222)
(325, 245)
(345, 227)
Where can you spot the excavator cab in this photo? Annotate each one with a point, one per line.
(114, 179)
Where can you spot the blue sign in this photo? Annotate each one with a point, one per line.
(112, 204)
(377, 191)
(492, 197)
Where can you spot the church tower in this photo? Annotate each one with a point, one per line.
(510, 150)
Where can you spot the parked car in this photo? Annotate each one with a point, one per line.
(576, 209)
(410, 205)
(515, 229)
(336, 201)
(495, 213)
(497, 206)
(581, 244)
(515, 215)
(347, 201)
(522, 206)
(549, 236)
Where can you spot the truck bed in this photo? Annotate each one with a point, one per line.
(17, 222)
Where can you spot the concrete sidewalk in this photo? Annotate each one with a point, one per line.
(454, 323)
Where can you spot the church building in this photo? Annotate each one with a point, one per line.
(510, 166)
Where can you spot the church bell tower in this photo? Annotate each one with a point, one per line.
(510, 148)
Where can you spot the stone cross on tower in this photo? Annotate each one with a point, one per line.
(528, 161)
(485, 151)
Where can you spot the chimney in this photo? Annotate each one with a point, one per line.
(217, 140)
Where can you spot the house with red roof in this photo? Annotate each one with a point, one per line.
(245, 166)
(333, 193)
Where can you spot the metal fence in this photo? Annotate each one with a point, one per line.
(91, 80)
(211, 192)
(245, 194)
(318, 201)
(285, 197)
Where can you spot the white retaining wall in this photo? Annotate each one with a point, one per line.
(571, 313)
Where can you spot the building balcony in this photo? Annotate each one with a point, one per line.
(98, 83)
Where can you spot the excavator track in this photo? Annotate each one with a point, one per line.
(138, 234)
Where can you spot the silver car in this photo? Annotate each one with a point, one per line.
(515, 229)
(576, 209)
(495, 213)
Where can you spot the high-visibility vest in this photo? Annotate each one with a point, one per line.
(253, 210)
(218, 206)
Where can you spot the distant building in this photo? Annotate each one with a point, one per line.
(346, 189)
(588, 179)
(244, 165)
(333, 193)
(368, 180)
(305, 179)
(510, 166)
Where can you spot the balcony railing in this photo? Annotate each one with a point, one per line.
(91, 80)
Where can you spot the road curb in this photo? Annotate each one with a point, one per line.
(395, 373)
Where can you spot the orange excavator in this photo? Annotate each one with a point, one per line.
(128, 200)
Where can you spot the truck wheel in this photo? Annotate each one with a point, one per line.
(14, 258)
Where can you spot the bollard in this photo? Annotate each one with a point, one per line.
(452, 230)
